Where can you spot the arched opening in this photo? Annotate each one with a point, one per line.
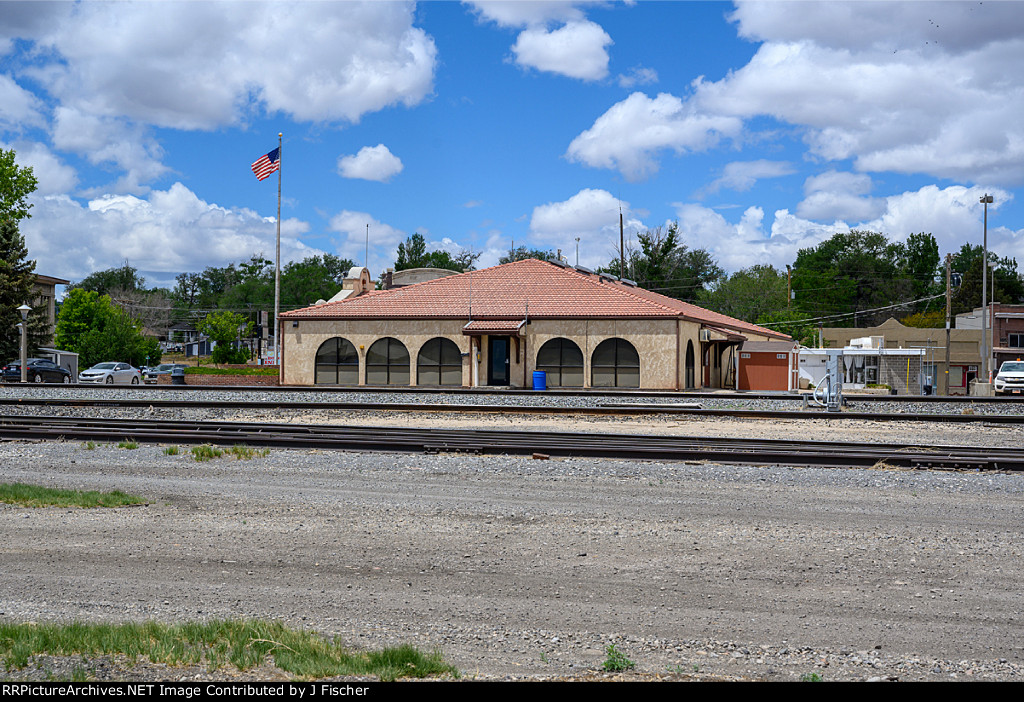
(615, 364)
(439, 363)
(690, 372)
(387, 363)
(337, 363)
(562, 360)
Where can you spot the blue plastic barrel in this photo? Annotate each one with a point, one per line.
(540, 380)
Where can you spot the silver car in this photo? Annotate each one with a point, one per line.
(110, 373)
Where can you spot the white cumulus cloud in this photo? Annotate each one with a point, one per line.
(168, 231)
(592, 215)
(632, 132)
(576, 50)
(576, 47)
(741, 175)
(836, 195)
(370, 163)
(383, 239)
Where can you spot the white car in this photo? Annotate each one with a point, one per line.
(1010, 378)
(110, 373)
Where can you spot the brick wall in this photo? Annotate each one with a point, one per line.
(244, 380)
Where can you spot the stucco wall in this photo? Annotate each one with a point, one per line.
(655, 341)
(301, 343)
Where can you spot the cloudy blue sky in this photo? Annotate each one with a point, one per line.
(761, 127)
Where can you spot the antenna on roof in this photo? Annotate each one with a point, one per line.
(622, 245)
(366, 256)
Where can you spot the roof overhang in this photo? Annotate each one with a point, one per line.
(494, 327)
(720, 334)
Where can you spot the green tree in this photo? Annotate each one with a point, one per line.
(17, 272)
(748, 294)
(935, 319)
(1004, 282)
(226, 327)
(93, 327)
(521, 253)
(665, 265)
(17, 277)
(311, 279)
(413, 254)
(793, 323)
(854, 272)
(125, 278)
(17, 183)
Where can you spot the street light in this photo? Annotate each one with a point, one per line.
(986, 363)
(24, 310)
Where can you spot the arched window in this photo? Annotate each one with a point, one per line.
(562, 360)
(387, 363)
(439, 363)
(337, 363)
(615, 364)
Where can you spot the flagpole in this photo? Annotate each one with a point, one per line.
(277, 264)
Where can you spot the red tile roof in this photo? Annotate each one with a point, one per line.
(511, 291)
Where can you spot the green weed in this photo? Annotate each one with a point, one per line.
(811, 677)
(616, 662)
(242, 644)
(172, 451)
(38, 496)
(89, 445)
(126, 444)
(206, 452)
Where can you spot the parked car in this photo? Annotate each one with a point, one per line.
(110, 373)
(150, 375)
(40, 370)
(1010, 378)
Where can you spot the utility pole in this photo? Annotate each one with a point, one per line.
(986, 353)
(949, 309)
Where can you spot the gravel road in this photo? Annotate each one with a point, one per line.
(519, 568)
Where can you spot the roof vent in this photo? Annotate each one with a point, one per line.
(627, 281)
(582, 269)
(560, 264)
(608, 276)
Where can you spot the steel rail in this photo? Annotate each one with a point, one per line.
(614, 409)
(555, 392)
(673, 448)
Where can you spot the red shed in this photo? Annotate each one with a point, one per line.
(768, 365)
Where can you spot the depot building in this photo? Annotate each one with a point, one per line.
(497, 326)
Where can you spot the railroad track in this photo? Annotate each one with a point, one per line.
(541, 444)
(614, 409)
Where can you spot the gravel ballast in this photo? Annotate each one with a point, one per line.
(518, 568)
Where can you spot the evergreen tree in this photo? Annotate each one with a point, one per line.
(17, 276)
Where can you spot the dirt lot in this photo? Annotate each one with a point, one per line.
(519, 568)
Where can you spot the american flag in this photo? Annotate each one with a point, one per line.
(267, 164)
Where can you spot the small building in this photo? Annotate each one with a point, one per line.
(45, 291)
(1005, 325)
(964, 350)
(867, 362)
(498, 326)
(769, 366)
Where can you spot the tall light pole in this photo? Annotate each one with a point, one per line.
(986, 362)
(577, 251)
(24, 310)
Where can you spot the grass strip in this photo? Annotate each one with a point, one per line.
(39, 496)
(242, 644)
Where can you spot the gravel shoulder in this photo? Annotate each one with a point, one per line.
(520, 568)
